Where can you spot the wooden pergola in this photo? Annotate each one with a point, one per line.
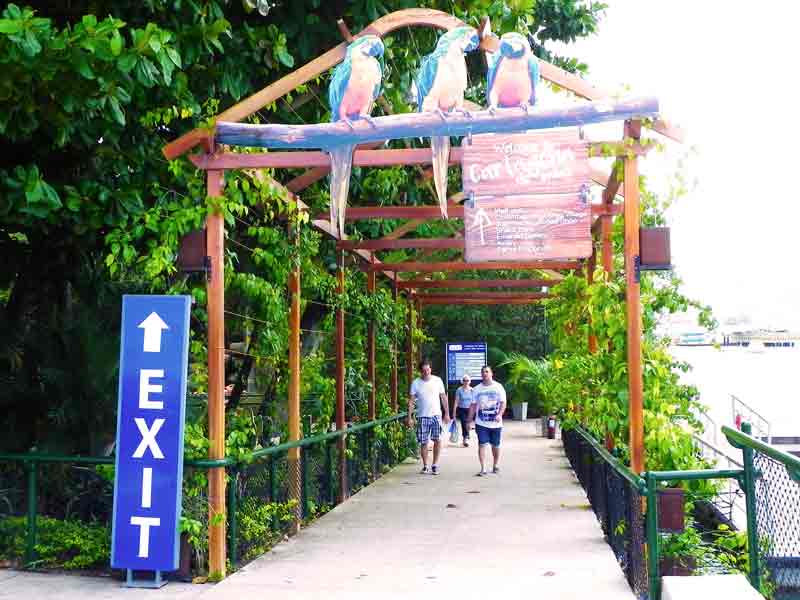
(617, 199)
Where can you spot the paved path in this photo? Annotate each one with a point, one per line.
(527, 533)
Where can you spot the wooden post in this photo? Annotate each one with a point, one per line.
(215, 289)
(371, 412)
(633, 305)
(295, 483)
(340, 416)
(410, 344)
(394, 355)
(418, 308)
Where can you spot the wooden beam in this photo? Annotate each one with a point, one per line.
(215, 290)
(455, 301)
(450, 284)
(432, 213)
(311, 176)
(414, 223)
(485, 296)
(432, 267)
(381, 244)
(633, 311)
(304, 159)
(427, 124)
(413, 17)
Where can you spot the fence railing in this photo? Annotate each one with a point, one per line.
(616, 495)
(775, 521)
(741, 412)
(628, 505)
(255, 481)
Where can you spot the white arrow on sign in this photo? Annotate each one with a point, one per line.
(152, 326)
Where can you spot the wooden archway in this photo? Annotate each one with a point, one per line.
(317, 166)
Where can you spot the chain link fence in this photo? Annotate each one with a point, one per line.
(616, 498)
(778, 525)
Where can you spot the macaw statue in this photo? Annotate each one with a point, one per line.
(513, 74)
(355, 85)
(441, 83)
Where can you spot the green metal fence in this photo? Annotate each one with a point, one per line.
(617, 497)
(627, 507)
(259, 481)
(773, 480)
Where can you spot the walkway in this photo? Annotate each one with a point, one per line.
(526, 533)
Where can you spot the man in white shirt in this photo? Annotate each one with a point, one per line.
(488, 406)
(428, 392)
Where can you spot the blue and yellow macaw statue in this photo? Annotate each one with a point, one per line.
(441, 83)
(513, 74)
(355, 85)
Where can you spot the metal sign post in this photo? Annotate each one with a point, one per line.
(150, 421)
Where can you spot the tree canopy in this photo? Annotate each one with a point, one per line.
(90, 209)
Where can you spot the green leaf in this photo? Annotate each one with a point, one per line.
(285, 58)
(82, 64)
(116, 110)
(174, 57)
(155, 44)
(116, 43)
(127, 62)
(9, 26)
(89, 21)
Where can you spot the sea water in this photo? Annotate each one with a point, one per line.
(767, 379)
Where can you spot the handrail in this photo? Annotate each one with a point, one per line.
(206, 463)
(322, 437)
(739, 439)
(764, 425)
(622, 469)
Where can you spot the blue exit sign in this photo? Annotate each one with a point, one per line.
(154, 355)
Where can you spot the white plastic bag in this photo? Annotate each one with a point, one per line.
(453, 431)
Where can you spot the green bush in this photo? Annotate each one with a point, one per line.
(62, 544)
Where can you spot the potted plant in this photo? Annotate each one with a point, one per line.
(525, 375)
(680, 552)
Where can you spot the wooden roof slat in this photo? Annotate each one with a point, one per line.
(454, 284)
(361, 158)
(432, 267)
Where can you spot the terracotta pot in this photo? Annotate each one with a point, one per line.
(670, 510)
(677, 566)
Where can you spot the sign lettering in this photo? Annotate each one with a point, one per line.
(528, 197)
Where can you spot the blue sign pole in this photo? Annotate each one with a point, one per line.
(153, 366)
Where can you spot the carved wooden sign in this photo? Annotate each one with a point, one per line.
(528, 197)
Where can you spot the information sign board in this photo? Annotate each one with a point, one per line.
(528, 197)
(465, 357)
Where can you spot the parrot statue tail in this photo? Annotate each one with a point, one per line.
(440, 149)
(341, 166)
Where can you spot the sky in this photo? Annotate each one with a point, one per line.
(728, 73)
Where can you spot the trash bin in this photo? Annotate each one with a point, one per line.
(551, 427)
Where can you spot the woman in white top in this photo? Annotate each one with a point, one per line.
(463, 403)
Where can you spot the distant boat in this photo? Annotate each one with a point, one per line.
(695, 338)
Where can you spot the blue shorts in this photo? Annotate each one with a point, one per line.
(428, 428)
(488, 435)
